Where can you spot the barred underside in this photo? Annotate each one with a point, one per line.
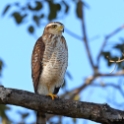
(55, 61)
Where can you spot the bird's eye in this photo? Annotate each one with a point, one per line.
(54, 26)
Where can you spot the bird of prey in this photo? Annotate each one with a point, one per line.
(49, 63)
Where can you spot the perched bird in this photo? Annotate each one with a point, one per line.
(49, 63)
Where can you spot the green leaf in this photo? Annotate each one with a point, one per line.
(36, 19)
(54, 8)
(119, 47)
(18, 17)
(31, 29)
(58, 7)
(6, 9)
(79, 8)
(107, 55)
(37, 7)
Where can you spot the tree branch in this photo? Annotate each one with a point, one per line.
(73, 34)
(88, 81)
(118, 87)
(106, 40)
(96, 112)
(85, 38)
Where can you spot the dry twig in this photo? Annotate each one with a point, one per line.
(106, 40)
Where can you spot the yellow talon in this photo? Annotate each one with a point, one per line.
(53, 96)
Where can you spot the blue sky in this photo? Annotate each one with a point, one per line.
(16, 46)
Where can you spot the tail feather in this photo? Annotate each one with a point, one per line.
(41, 118)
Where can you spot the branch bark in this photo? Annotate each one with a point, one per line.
(101, 113)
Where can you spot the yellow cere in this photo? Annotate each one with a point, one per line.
(60, 28)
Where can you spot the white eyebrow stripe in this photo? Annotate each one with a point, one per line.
(53, 23)
(50, 24)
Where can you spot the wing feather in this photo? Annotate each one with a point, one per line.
(37, 57)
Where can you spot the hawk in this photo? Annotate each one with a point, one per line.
(49, 63)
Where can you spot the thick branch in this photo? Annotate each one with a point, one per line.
(96, 112)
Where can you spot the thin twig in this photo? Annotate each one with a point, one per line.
(114, 68)
(119, 73)
(111, 85)
(90, 79)
(88, 82)
(106, 40)
(116, 61)
(73, 34)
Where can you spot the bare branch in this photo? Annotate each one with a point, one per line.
(73, 34)
(101, 113)
(106, 40)
(119, 73)
(114, 68)
(88, 81)
(117, 61)
(85, 39)
(118, 87)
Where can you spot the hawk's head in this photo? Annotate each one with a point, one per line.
(54, 28)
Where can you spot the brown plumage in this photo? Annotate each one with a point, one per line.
(37, 57)
(49, 63)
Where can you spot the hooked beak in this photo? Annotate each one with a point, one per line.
(61, 29)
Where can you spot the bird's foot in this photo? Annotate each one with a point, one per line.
(53, 96)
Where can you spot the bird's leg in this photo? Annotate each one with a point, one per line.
(53, 96)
